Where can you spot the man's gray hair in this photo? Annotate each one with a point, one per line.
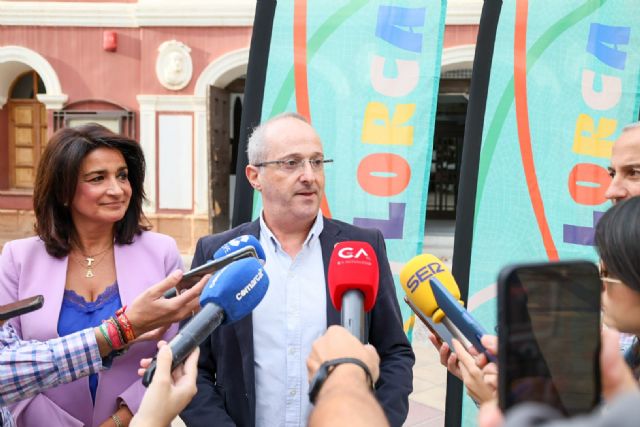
(631, 126)
(256, 147)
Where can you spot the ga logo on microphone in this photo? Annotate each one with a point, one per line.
(348, 253)
(423, 274)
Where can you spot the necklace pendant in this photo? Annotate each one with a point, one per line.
(89, 273)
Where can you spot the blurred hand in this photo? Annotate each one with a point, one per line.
(490, 414)
(338, 342)
(472, 371)
(169, 392)
(448, 359)
(151, 310)
(616, 375)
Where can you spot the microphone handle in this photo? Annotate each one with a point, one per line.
(188, 338)
(455, 332)
(352, 314)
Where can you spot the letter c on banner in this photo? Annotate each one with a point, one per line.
(396, 169)
(588, 173)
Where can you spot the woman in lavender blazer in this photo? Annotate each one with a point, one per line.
(92, 255)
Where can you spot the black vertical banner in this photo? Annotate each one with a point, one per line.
(252, 109)
(469, 177)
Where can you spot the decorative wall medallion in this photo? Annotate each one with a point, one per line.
(174, 67)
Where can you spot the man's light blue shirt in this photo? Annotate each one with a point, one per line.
(287, 321)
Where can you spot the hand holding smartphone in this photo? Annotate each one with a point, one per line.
(549, 335)
(191, 277)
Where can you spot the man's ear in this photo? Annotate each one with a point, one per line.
(252, 176)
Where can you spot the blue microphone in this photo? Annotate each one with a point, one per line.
(241, 247)
(238, 243)
(231, 294)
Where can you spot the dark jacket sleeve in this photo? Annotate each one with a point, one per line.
(388, 337)
(207, 407)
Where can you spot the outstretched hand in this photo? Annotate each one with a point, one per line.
(151, 310)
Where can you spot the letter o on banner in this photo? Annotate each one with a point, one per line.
(394, 169)
(588, 173)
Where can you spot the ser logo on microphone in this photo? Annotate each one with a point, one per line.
(423, 274)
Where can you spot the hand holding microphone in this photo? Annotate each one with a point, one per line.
(231, 294)
(244, 246)
(353, 284)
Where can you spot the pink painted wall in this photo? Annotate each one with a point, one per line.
(460, 35)
(87, 71)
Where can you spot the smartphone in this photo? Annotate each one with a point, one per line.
(441, 333)
(191, 277)
(21, 307)
(549, 335)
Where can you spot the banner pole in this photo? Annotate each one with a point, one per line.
(252, 105)
(465, 210)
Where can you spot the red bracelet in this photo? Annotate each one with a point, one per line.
(114, 335)
(125, 325)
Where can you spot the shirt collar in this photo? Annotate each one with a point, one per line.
(314, 233)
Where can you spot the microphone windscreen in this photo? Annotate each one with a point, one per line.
(414, 279)
(238, 288)
(353, 266)
(239, 243)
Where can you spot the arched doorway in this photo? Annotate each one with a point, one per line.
(27, 130)
(223, 82)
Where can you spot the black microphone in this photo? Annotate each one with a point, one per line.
(230, 295)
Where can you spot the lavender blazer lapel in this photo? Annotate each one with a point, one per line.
(129, 273)
(43, 275)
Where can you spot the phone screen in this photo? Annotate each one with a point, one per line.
(549, 335)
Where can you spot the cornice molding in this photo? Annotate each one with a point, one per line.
(464, 12)
(165, 13)
(150, 103)
(146, 13)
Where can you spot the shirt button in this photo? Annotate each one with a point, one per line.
(292, 350)
(292, 392)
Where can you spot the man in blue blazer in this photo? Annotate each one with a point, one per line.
(253, 372)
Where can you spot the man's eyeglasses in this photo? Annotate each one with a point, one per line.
(604, 276)
(291, 165)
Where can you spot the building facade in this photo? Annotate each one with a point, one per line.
(169, 74)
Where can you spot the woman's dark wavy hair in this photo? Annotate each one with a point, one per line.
(57, 178)
(618, 241)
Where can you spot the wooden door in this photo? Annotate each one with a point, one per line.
(27, 136)
(219, 158)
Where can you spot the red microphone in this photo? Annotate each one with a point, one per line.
(353, 283)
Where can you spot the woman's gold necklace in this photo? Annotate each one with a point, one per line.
(91, 262)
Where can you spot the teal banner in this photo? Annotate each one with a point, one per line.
(564, 82)
(366, 75)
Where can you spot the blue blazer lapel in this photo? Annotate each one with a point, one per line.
(328, 239)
